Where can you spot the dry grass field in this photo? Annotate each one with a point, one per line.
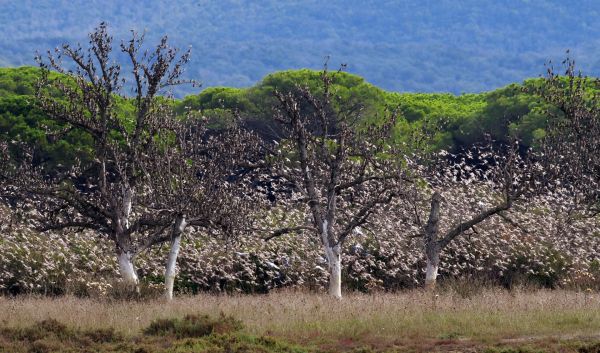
(491, 320)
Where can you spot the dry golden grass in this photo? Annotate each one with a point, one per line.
(489, 316)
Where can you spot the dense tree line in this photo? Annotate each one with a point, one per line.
(506, 113)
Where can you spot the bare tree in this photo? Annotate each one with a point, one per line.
(4, 160)
(341, 168)
(572, 143)
(5, 172)
(89, 96)
(200, 181)
(491, 178)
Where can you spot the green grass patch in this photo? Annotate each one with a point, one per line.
(193, 333)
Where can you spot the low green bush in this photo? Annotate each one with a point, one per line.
(193, 326)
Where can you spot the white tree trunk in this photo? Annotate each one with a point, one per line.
(334, 262)
(127, 269)
(170, 269)
(433, 248)
(431, 274)
(433, 261)
(334, 259)
(124, 255)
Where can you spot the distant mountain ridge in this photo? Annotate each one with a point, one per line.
(417, 46)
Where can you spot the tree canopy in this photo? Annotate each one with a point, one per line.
(461, 120)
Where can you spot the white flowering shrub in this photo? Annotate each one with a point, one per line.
(54, 264)
(545, 249)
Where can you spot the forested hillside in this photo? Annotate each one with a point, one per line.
(418, 46)
(461, 120)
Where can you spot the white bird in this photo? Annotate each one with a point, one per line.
(272, 265)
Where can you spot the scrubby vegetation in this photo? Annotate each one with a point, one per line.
(193, 326)
(192, 334)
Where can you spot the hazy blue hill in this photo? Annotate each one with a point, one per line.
(414, 45)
